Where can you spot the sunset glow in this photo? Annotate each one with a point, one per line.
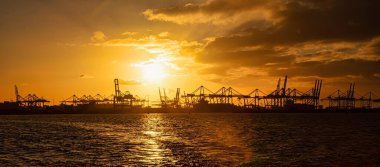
(189, 83)
(81, 47)
(153, 72)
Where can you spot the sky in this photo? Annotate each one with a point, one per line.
(57, 48)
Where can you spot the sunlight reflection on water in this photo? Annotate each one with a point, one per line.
(189, 139)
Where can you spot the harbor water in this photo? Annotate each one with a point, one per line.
(195, 139)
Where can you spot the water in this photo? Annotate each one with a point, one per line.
(191, 140)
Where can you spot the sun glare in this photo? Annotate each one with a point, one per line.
(153, 72)
(155, 69)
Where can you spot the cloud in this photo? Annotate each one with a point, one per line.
(310, 21)
(98, 36)
(327, 38)
(85, 76)
(290, 21)
(174, 56)
(158, 44)
(128, 33)
(218, 12)
(348, 67)
(129, 82)
(256, 57)
(371, 48)
(163, 34)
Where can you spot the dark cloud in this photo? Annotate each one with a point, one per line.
(211, 7)
(326, 22)
(256, 57)
(85, 76)
(301, 38)
(349, 67)
(305, 21)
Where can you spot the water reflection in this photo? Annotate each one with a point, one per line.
(148, 143)
(220, 140)
(189, 140)
(229, 138)
(146, 139)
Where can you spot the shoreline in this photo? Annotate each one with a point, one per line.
(90, 110)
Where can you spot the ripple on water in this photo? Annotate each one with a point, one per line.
(191, 139)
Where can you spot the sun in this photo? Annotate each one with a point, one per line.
(156, 69)
(153, 72)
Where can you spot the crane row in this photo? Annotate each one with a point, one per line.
(282, 97)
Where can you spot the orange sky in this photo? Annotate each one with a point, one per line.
(58, 48)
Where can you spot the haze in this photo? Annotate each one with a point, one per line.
(56, 48)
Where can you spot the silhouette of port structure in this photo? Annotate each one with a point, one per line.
(126, 99)
(350, 99)
(167, 102)
(282, 98)
(30, 100)
(87, 99)
(119, 100)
